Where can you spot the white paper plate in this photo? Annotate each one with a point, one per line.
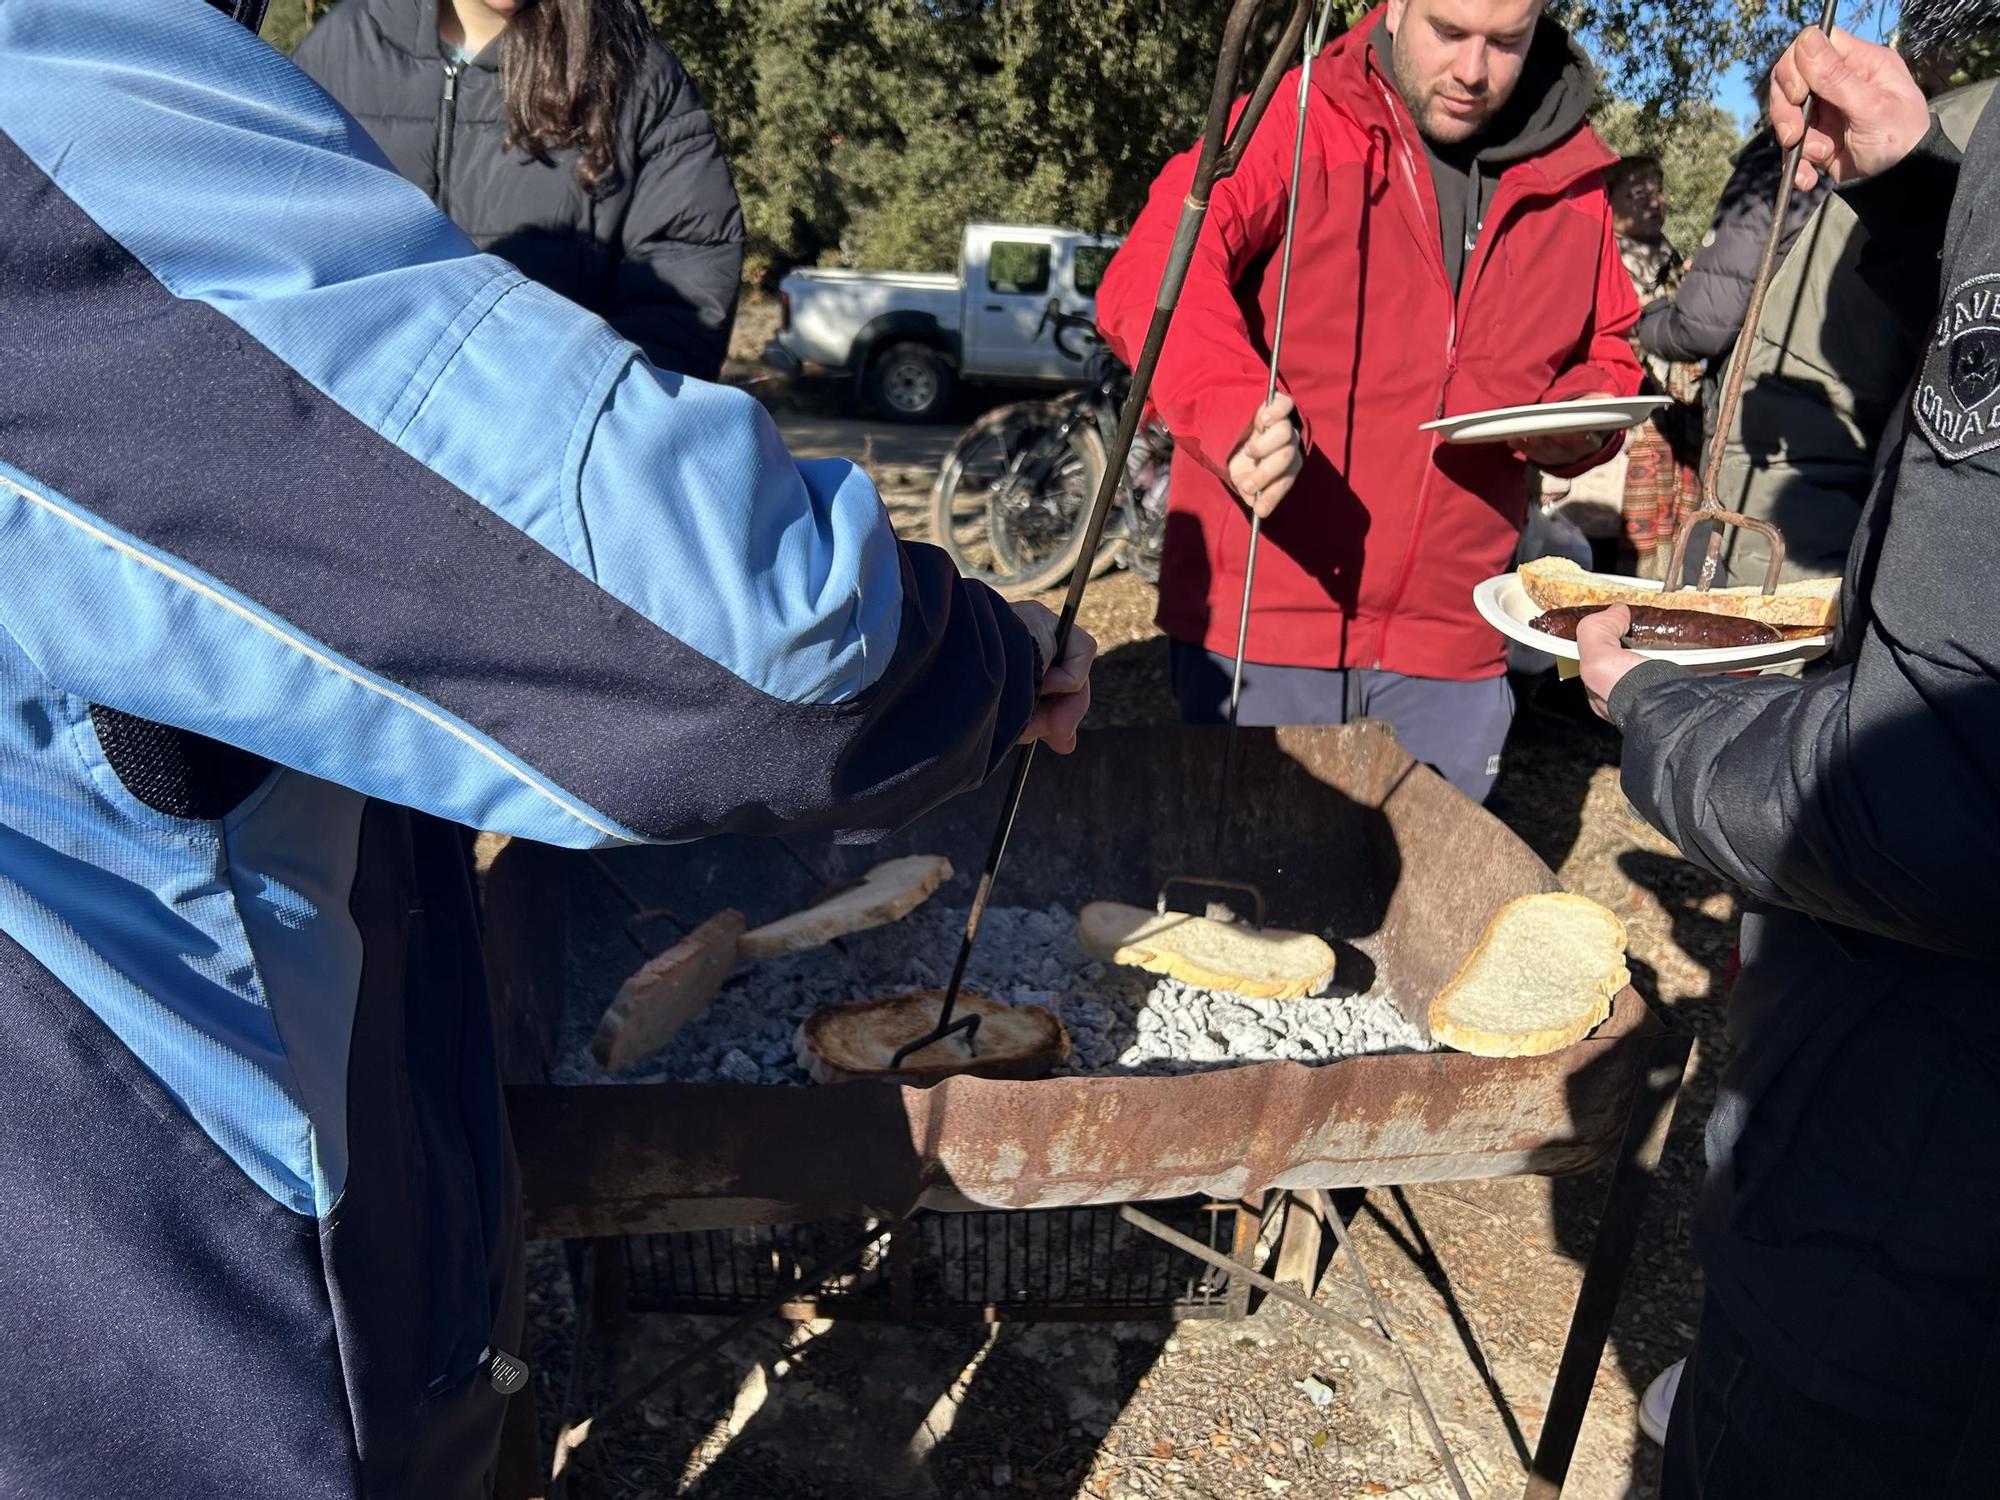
(1508, 609)
(1597, 414)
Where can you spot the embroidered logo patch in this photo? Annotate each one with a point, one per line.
(1958, 396)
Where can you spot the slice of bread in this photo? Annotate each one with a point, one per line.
(671, 990)
(887, 893)
(1557, 582)
(1266, 964)
(853, 1043)
(1541, 977)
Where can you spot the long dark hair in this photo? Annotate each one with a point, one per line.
(565, 66)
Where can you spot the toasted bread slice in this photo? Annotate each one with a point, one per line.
(887, 893)
(668, 992)
(852, 1043)
(1541, 977)
(1556, 583)
(1266, 964)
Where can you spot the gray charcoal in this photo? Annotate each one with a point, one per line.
(1119, 1019)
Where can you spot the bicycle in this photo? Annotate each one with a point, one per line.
(1013, 495)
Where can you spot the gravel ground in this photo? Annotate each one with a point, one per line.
(1479, 1278)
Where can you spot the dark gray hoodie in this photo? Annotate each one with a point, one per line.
(1552, 98)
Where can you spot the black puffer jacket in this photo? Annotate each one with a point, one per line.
(1702, 318)
(1851, 1222)
(659, 255)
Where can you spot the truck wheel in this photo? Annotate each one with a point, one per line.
(910, 383)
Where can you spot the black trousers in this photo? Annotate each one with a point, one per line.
(1740, 1432)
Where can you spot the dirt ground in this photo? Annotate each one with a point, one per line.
(1478, 1278)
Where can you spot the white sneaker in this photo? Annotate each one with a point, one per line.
(1657, 1405)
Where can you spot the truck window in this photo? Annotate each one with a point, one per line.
(1090, 263)
(1015, 268)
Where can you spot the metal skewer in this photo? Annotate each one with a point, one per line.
(1221, 149)
(1711, 509)
(1226, 788)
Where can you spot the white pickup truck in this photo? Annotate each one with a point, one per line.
(907, 336)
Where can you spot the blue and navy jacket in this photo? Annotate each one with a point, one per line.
(317, 527)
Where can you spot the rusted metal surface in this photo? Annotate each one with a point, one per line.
(651, 1157)
(1339, 827)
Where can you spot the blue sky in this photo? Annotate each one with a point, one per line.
(1734, 95)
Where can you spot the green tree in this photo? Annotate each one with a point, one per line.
(1665, 54)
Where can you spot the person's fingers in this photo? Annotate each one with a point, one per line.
(1056, 720)
(1603, 631)
(1276, 411)
(1266, 441)
(1268, 471)
(1266, 500)
(1072, 673)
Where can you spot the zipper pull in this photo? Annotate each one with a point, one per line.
(1450, 369)
(450, 84)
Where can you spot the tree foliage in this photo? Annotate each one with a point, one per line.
(867, 132)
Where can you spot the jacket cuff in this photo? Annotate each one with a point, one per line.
(1648, 674)
(1908, 206)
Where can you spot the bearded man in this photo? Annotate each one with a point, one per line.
(1453, 252)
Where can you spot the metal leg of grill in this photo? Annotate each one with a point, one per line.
(1610, 1257)
(1249, 1219)
(1241, 1274)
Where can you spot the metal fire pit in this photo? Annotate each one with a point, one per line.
(1339, 826)
(1341, 829)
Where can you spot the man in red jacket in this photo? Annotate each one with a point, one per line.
(1454, 252)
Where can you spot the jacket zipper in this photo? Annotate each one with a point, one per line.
(1402, 583)
(1463, 299)
(447, 124)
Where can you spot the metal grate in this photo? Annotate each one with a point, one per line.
(1038, 1264)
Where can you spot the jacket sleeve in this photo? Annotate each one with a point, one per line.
(1210, 379)
(1705, 314)
(377, 508)
(682, 239)
(1604, 360)
(1863, 796)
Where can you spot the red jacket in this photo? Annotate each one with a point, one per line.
(1372, 558)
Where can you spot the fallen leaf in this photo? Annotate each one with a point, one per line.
(1319, 1438)
(1374, 1487)
(1164, 1448)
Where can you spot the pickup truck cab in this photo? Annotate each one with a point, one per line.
(908, 336)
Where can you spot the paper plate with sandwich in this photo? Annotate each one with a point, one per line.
(1717, 630)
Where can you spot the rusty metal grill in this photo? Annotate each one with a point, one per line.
(1037, 1264)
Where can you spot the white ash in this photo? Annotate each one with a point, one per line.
(1120, 1021)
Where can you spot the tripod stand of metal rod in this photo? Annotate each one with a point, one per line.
(1228, 786)
(1739, 362)
(1221, 150)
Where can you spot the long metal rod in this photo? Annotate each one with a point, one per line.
(1331, 1212)
(1234, 1268)
(1225, 794)
(1739, 359)
(1639, 1150)
(1221, 149)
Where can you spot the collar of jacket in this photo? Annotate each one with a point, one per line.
(1357, 84)
(411, 27)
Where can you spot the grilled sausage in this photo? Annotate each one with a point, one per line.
(1687, 629)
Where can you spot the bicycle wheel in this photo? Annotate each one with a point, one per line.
(1013, 497)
